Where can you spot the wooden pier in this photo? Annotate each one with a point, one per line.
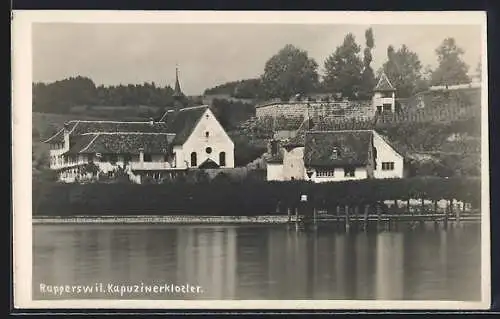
(360, 216)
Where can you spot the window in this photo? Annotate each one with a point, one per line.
(386, 107)
(379, 109)
(387, 166)
(208, 150)
(148, 158)
(325, 173)
(222, 159)
(193, 159)
(207, 134)
(349, 172)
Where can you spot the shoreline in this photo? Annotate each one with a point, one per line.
(185, 219)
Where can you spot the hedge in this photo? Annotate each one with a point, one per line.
(248, 198)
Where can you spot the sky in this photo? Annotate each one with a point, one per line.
(211, 54)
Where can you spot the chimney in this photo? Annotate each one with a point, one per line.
(66, 136)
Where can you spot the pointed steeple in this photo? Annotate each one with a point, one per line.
(177, 88)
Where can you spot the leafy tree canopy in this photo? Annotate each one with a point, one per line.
(289, 72)
(343, 68)
(451, 69)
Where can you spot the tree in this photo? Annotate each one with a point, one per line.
(404, 70)
(367, 77)
(451, 69)
(289, 72)
(343, 68)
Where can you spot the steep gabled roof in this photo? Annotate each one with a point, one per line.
(352, 148)
(384, 84)
(184, 122)
(121, 143)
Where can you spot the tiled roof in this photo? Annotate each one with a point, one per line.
(84, 127)
(384, 84)
(80, 142)
(57, 138)
(352, 147)
(183, 122)
(122, 143)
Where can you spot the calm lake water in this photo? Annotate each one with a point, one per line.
(258, 262)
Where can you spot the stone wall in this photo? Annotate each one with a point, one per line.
(327, 110)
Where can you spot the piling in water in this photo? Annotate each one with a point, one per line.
(365, 219)
(347, 218)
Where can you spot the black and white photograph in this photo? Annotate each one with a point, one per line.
(270, 160)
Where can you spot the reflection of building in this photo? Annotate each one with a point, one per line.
(389, 274)
(364, 266)
(207, 257)
(277, 263)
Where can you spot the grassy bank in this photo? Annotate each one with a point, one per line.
(227, 198)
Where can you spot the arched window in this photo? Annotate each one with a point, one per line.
(222, 159)
(193, 159)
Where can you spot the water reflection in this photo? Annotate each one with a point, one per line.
(263, 262)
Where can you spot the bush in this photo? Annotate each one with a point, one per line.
(250, 197)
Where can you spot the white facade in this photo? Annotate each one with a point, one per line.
(275, 172)
(293, 164)
(337, 174)
(384, 102)
(208, 140)
(389, 163)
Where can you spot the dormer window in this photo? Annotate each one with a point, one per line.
(207, 134)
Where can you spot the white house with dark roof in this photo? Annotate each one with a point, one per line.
(329, 156)
(190, 138)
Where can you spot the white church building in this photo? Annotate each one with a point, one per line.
(184, 139)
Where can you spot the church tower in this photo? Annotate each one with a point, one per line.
(178, 96)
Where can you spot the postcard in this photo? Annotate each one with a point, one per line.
(250, 160)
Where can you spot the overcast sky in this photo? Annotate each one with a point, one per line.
(209, 54)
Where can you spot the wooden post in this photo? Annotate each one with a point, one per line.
(314, 218)
(445, 221)
(347, 217)
(379, 213)
(289, 213)
(396, 213)
(356, 214)
(408, 206)
(338, 213)
(296, 214)
(457, 215)
(365, 222)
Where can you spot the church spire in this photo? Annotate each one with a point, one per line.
(177, 88)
